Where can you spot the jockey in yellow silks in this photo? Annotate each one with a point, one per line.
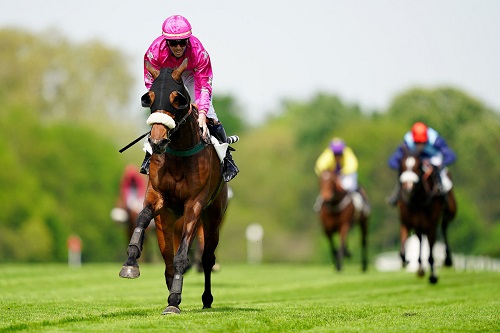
(340, 158)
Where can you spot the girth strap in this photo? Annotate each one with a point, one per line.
(189, 152)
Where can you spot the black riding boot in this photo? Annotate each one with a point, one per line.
(230, 169)
(145, 164)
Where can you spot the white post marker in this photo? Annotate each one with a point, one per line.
(254, 234)
(74, 251)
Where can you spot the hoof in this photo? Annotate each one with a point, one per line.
(420, 272)
(130, 272)
(433, 279)
(171, 310)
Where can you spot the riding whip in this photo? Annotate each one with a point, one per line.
(133, 142)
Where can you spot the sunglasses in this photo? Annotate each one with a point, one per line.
(181, 42)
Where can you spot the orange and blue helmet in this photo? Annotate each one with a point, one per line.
(419, 132)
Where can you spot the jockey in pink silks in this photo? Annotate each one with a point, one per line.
(175, 44)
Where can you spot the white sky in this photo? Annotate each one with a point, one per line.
(365, 51)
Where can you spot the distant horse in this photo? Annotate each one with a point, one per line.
(421, 207)
(185, 185)
(130, 199)
(339, 211)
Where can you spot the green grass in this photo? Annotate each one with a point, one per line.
(265, 298)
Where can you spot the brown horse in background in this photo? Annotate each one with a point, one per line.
(421, 207)
(129, 203)
(339, 212)
(185, 185)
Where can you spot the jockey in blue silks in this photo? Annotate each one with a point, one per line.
(431, 148)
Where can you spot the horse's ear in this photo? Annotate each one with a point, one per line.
(147, 98)
(176, 74)
(178, 100)
(153, 71)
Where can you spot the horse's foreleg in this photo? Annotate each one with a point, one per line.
(432, 239)
(166, 234)
(181, 261)
(420, 270)
(403, 236)
(344, 230)
(130, 268)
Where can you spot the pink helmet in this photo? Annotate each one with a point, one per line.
(176, 27)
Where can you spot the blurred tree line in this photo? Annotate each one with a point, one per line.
(64, 114)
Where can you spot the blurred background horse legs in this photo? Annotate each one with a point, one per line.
(421, 209)
(338, 212)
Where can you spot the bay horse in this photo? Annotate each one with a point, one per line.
(421, 207)
(185, 186)
(339, 211)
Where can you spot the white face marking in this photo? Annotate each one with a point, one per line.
(410, 162)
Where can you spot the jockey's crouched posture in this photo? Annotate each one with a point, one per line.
(431, 148)
(340, 158)
(169, 50)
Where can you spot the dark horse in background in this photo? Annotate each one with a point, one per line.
(339, 211)
(185, 186)
(421, 207)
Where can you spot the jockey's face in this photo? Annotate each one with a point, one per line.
(177, 47)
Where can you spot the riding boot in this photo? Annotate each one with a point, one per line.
(145, 164)
(393, 198)
(439, 184)
(230, 169)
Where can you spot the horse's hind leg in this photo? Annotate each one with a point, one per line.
(448, 262)
(333, 250)
(130, 268)
(211, 238)
(448, 216)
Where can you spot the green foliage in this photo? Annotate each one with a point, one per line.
(87, 82)
(229, 114)
(61, 172)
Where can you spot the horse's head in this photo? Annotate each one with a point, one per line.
(412, 176)
(168, 100)
(330, 186)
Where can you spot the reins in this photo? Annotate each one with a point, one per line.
(184, 152)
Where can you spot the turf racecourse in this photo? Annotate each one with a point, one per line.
(259, 298)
